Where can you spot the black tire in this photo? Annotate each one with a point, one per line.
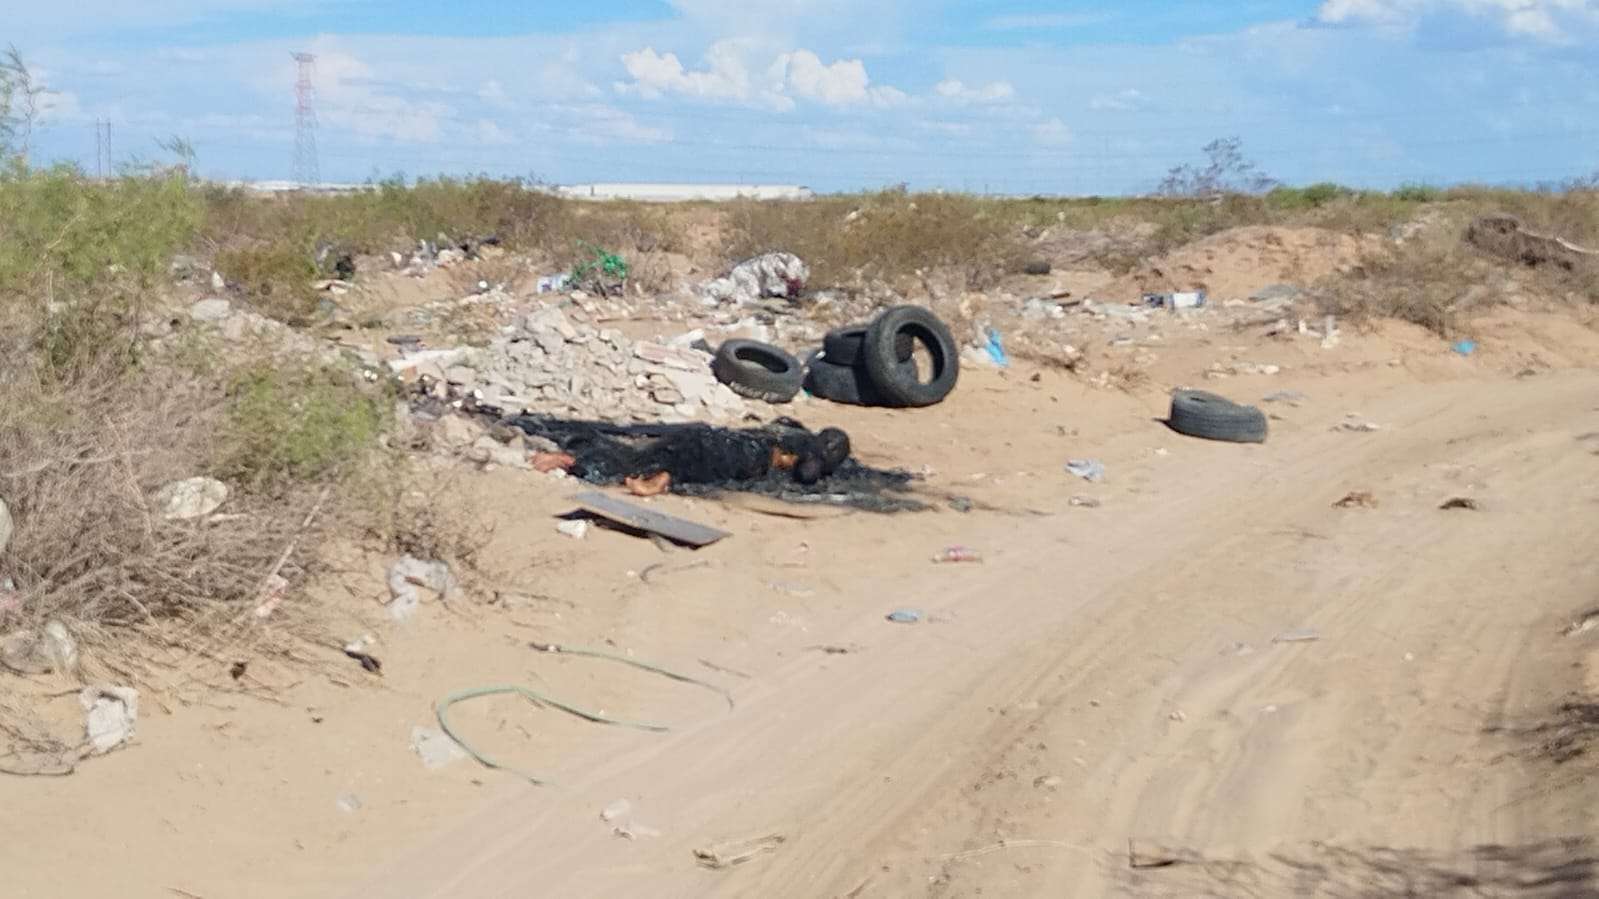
(843, 345)
(1197, 413)
(899, 383)
(758, 371)
(1036, 267)
(840, 383)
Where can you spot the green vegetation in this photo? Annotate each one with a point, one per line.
(285, 426)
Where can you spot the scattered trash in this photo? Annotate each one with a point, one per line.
(677, 530)
(349, 803)
(190, 499)
(1189, 299)
(435, 747)
(961, 504)
(737, 852)
(781, 275)
(443, 706)
(1142, 856)
(1460, 502)
(1583, 625)
(1303, 635)
(1276, 293)
(1083, 502)
(273, 591)
(1357, 499)
(576, 528)
(553, 283)
(23, 653)
(603, 272)
(1208, 416)
(1290, 397)
(958, 554)
(617, 810)
(1178, 716)
(1091, 470)
(1047, 782)
(995, 348)
(632, 830)
(409, 573)
(59, 649)
(905, 616)
(834, 650)
(1465, 347)
(357, 649)
(6, 526)
(111, 713)
(1354, 424)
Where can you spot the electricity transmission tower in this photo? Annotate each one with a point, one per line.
(102, 148)
(306, 170)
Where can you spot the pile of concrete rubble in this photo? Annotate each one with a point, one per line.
(554, 363)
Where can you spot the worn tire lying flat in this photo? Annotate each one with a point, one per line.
(758, 371)
(898, 383)
(1198, 413)
(843, 345)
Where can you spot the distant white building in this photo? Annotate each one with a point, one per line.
(678, 193)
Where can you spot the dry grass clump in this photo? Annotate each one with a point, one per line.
(81, 467)
(887, 236)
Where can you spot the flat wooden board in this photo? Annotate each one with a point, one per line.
(635, 516)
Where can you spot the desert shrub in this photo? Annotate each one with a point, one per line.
(1417, 193)
(277, 279)
(888, 235)
(296, 425)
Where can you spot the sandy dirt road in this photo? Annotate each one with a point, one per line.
(1111, 677)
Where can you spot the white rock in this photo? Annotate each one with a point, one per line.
(210, 310)
(577, 528)
(6, 526)
(435, 747)
(218, 282)
(192, 498)
(111, 713)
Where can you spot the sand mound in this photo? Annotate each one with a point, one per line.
(1240, 261)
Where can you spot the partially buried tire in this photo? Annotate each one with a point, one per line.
(843, 345)
(1207, 416)
(758, 371)
(900, 383)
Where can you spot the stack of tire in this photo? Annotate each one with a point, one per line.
(875, 364)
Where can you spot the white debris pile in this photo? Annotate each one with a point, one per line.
(549, 364)
(768, 275)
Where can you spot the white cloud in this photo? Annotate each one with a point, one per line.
(956, 90)
(348, 95)
(1555, 21)
(843, 83)
(727, 77)
(1052, 133)
(489, 133)
(1045, 21)
(1129, 100)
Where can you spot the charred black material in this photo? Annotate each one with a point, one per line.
(704, 460)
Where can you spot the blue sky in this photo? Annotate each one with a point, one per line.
(1016, 96)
